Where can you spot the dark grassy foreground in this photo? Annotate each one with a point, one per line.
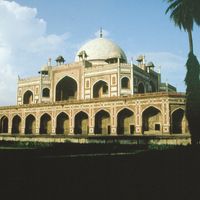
(150, 174)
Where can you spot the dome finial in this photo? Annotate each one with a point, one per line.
(101, 32)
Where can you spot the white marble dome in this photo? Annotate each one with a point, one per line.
(101, 49)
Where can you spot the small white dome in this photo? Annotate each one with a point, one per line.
(101, 49)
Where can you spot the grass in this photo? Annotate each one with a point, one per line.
(23, 144)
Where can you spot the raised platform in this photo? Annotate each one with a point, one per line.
(145, 139)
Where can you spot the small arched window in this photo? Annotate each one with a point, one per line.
(46, 92)
(125, 83)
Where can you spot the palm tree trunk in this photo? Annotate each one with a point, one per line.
(190, 40)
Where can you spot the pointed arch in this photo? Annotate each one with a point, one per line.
(66, 89)
(62, 123)
(102, 122)
(30, 124)
(178, 121)
(125, 83)
(4, 124)
(125, 122)
(46, 92)
(156, 107)
(16, 124)
(130, 109)
(178, 108)
(28, 97)
(81, 123)
(100, 89)
(45, 124)
(151, 120)
(100, 109)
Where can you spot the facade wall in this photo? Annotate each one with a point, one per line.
(86, 78)
(157, 108)
(103, 95)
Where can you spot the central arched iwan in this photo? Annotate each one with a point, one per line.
(66, 89)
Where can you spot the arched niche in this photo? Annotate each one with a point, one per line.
(4, 124)
(178, 121)
(62, 123)
(125, 122)
(46, 92)
(151, 120)
(102, 122)
(81, 123)
(100, 89)
(28, 97)
(45, 124)
(125, 83)
(30, 124)
(66, 89)
(16, 124)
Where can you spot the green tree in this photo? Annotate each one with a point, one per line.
(185, 13)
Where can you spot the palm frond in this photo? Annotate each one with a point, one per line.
(196, 11)
(173, 5)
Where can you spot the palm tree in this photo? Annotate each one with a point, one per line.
(185, 13)
(193, 97)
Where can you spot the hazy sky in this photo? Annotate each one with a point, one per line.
(31, 31)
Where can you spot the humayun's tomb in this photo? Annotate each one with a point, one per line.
(100, 95)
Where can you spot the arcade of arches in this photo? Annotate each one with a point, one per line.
(102, 123)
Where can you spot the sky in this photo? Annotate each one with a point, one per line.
(31, 31)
